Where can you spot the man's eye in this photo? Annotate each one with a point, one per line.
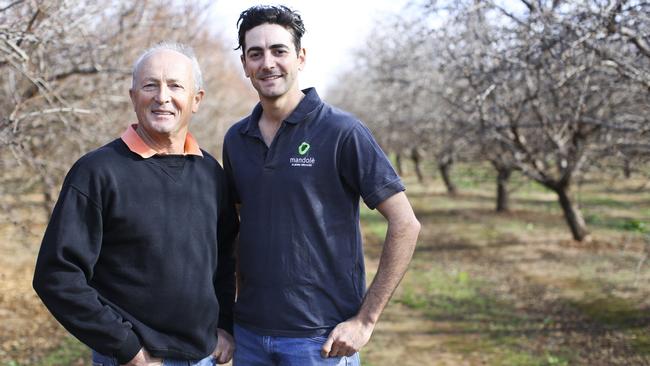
(149, 86)
(176, 86)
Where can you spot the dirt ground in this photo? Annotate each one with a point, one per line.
(566, 302)
(408, 337)
(563, 289)
(27, 331)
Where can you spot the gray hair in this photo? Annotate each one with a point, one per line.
(177, 47)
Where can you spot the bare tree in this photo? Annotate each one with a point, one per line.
(398, 94)
(549, 88)
(547, 96)
(65, 71)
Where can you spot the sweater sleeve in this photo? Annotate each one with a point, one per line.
(224, 282)
(64, 268)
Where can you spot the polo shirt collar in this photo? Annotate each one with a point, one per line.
(307, 105)
(138, 146)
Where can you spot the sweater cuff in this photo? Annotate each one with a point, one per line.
(226, 323)
(129, 349)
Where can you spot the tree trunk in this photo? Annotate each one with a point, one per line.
(415, 156)
(572, 214)
(445, 169)
(627, 168)
(398, 162)
(503, 174)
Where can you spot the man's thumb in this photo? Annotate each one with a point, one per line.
(327, 347)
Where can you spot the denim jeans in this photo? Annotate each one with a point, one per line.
(252, 349)
(101, 360)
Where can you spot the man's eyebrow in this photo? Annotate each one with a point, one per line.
(254, 48)
(147, 79)
(273, 47)
(157, 80)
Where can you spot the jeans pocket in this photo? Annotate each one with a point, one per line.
(317, 339)
(99, 359)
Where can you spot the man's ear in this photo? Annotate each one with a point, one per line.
(132, 96)
(243, 64)
(302, 58)
(198, 97)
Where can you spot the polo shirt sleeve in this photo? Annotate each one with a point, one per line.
(365, 167)
(68, 253)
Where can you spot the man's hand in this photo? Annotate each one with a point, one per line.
(142, 358)
(347, 338)
(225, 347)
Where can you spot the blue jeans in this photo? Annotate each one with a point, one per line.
(252, 349)
(101, 360)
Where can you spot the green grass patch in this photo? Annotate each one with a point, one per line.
(472, 176)
(608, 201)
(641, 342)
(597, 204)
(454, 295)
(636, 226)
(373, 223)
(618, 223)
(489, 325)
(612, 312)
(71, 352)
(507, 350)
(475, 316)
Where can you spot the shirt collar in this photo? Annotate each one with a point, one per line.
(305, 108)
(138, 146)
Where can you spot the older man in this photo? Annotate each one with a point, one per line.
(136, 260)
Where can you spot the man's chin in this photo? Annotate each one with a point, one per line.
(271, 93)
(163, 128)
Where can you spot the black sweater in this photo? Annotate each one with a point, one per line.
(130, 256)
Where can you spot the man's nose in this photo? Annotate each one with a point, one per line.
(163, 94)
(268, 62)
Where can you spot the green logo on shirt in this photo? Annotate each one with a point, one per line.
(303, 148)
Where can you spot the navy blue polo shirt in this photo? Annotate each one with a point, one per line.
(300, 251)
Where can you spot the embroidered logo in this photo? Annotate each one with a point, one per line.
(302, 160)
(303, 148)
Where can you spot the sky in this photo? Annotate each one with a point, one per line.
(334, 29)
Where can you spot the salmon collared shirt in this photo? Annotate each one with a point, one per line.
(138, 146)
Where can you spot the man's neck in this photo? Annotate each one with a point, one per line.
(277, 110)
(164, 144)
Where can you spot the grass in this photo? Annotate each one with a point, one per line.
(613, 312)
(466, 251)
(483, 323)
(618, 223)
(514, 289)
(641, 342)
(374, 224)
(452, 294)
(71, 352)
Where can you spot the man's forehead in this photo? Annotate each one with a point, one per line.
(166, 56)
(171, 62)
(267, 35)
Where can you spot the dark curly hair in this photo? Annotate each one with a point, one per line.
(272, 14)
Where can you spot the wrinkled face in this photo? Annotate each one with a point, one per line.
(163, 93)
(270, 60)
